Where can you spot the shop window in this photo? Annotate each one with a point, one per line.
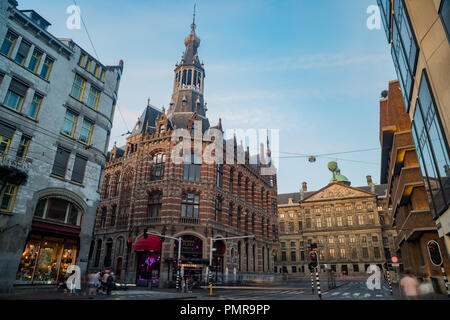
(58, 210)
(46, 260)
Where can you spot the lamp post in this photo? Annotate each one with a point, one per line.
(210, 255)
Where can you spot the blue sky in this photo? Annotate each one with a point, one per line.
(309, 68)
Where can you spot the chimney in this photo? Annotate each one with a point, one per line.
(304, 188)
(369, 180)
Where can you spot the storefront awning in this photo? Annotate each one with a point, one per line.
(152, 243)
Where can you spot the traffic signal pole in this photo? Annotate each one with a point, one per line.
(444, 275)
(317, 276)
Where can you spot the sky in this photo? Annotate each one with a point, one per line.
(311, 69)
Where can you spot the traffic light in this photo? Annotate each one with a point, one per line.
(313, 257)
(434, 252)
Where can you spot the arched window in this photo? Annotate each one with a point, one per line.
(59, 210)
(189, 79)
(107, 261)
(154, 204)
(157, 172)
(106, 186)
(103, 217)
(183, 81)
(189, 205)
(119, 247)
(113, 215)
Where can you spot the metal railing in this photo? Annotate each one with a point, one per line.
(188, 220)
(19, 163)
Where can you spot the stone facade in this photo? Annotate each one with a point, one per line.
(144, 189)
(42, 169)
(349, 225)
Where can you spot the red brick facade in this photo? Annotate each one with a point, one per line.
(128, 188)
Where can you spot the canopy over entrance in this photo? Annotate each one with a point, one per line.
(152, 243)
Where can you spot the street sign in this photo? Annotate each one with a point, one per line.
(396, 264)
(394, 259)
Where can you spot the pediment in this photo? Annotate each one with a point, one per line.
(337, 191)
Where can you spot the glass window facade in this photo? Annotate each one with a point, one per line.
(444, 13)
(45, 260)
(404, 49)
(433, 149)
(385, 10)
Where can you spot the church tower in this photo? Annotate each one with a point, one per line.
(187, 101)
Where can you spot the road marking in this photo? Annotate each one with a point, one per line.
(346, 293)
(379, 295)
(335, 293)
(356, 294)
(367, 295)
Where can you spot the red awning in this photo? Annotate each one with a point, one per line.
(152, 243)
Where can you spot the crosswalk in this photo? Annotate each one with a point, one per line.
(262, 295)
(358, 290)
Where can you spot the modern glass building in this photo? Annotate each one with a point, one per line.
(419, 34)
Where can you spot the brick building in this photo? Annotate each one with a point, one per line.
(349, 225)
(406, 192)
(144, 188)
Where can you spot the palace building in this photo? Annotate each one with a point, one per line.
(146, 192)
(348, 224)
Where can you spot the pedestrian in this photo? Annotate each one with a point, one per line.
(183, 284)
(109, 283)
(190, 284)
(93, 279)
(105, 281)
(409, 286)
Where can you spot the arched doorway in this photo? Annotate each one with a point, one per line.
(192, 261)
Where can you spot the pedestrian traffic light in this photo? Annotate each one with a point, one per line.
(434, 252)
(313, 256)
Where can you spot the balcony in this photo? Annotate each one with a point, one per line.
(14, 169)
(153, 220)
(416, 223)
(187, 220)
(410, 178)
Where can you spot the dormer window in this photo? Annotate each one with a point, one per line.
(162, 129)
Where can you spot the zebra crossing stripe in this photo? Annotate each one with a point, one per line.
(346, 293)
(356, 294)
(367, 295)
(335, 293)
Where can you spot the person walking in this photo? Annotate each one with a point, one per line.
(409, 286)
(109, 283)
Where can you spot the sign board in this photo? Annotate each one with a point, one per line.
(396, 264)
(394, 259)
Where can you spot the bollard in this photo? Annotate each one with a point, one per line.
(210, 289)
(318, 283)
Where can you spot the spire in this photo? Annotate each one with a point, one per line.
(193, 19)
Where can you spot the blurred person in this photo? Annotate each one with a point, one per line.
(409, 286)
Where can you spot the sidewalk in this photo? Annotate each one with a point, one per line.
(154, 294)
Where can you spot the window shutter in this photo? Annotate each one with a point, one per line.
(60, 164)
(18, 87)
(23, 49)
(78, 169)
(6, 131)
